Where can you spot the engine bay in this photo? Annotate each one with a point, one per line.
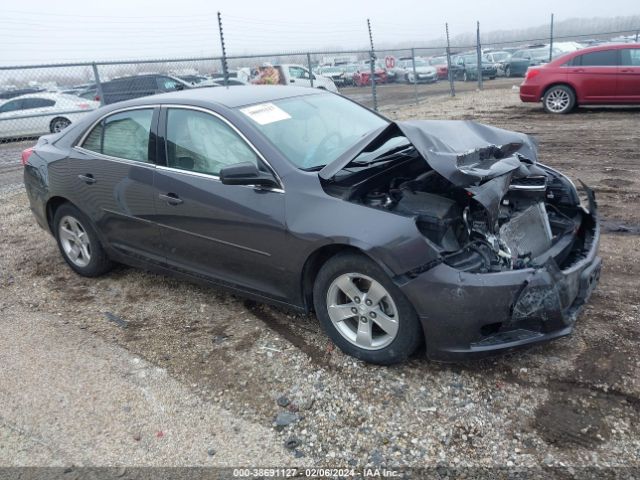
(510, 222)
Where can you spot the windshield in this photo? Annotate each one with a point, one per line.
(313, 130)
(438, 60)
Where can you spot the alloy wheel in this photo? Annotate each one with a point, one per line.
(557, 100)
(362, 311)
(75, 241)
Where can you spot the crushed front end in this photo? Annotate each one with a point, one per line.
(514, 251)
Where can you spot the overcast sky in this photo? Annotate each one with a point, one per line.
(37, 31)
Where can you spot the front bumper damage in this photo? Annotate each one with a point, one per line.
(467, 315)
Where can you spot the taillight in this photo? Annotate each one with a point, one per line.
(26, 154)
(83, 106)
(97, 98)
(532, 73)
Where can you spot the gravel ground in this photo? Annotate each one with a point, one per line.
(574, 402)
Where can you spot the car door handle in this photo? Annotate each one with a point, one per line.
(88, 179)
(579, 70)
(626, 70)
(171, 198)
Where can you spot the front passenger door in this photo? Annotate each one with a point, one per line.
(233, 234)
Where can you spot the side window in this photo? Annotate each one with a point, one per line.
(200, 142)
(122, 135)
(630, 57)
(11, 106)
(37, 103)
(605, 58)
(298, 72)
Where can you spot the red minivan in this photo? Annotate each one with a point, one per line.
(606, 74)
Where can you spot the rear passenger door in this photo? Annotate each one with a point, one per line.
(595, 75)
(629, 75)
(110, 175)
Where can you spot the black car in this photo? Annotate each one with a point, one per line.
(447, 233)
(468, 68)
(127, 88)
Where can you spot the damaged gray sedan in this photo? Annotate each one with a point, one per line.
(397, 234)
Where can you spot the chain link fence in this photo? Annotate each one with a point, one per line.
(40, 99)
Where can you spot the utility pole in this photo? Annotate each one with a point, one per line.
(415, 74)
(479, 52)
(225, 70)
(551, 40)
(452, 88)
(372, 64)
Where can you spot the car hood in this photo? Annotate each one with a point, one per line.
(464, 152)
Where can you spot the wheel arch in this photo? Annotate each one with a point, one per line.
(52, 206)
(317, 259)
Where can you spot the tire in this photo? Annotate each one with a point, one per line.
(559, 99)
(357, 325)
(58, 124)
(75, 233)
(507, 71)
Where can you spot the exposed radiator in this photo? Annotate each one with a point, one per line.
(528, 232)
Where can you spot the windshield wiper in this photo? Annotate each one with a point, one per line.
(394, 152)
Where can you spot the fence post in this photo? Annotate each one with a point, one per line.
(551, 40)
(372, 64)
(225, 71)
(309, 67)
(479, 52)
(637, 32)
(452, 88)
(415, 74)
(96, 76)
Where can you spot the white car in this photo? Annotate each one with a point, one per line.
(39, 113)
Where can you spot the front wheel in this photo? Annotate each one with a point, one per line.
(507, 71)
(559, 99)
(78, 242)
(465, 77)
(364, 312)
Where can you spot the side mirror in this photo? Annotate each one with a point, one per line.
(246, 173)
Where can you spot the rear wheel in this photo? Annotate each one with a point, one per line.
(58, 124)
(364, 312)
(78, 242)
(559, 99)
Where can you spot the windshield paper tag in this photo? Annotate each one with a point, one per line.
(265, 113)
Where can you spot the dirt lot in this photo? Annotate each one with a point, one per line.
(574, 402)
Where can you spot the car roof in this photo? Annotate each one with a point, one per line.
(231, 97)
(49, 95)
